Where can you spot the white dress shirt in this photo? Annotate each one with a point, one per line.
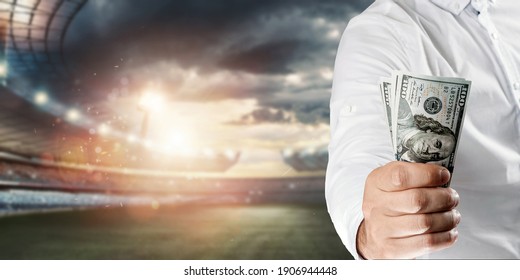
(477, 40)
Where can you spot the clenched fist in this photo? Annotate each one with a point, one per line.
(406, 212)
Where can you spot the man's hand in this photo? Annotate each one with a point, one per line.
(406, 213)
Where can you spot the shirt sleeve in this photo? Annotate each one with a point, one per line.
(360, 139)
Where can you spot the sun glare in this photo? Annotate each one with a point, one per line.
(151, 101)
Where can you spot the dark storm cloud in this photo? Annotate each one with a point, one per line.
(264, 115)
(312, 113)
(287, 112)
(110, 39)
(195, 32)
(200, 32)
(271, 57)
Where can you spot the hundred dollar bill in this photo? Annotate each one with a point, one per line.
(385, 85)
(427, 118)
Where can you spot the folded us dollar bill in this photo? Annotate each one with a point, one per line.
(425, 116)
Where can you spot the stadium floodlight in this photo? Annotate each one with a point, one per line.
(3, 69)
(103, 129)
(73, 115)
(151, 101)
(41, 98)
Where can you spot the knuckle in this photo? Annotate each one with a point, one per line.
(418, 200)
(424, 223)
(399, 175)
(376, 173)
(373, 179)
(369, 182)
(432, 176)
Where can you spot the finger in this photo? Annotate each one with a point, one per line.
(418, 245)
(415, 224)
(421, 201)
(397, 176)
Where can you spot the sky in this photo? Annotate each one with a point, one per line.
(252, 76)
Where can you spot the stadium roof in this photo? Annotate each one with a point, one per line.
(32, 34)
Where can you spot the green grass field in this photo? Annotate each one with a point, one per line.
(183, 232)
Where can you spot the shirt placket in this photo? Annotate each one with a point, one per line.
(504, 57)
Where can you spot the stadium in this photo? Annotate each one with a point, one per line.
(101, 159)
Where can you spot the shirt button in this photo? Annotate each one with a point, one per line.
(347, 110)
(516, 86)
(494, 36)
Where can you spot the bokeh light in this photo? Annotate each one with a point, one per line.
(3, 69)
(73, 115)
(104, 129)
(41, 98)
